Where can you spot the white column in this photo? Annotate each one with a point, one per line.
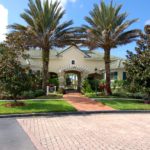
(61, 79)
(47, 90)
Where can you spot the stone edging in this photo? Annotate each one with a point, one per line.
(53, 114)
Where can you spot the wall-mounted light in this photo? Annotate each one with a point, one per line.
(95, 70)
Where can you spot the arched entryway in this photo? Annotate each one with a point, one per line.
(53, 79)
(72, 80)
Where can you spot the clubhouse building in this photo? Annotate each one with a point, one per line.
(73, 65)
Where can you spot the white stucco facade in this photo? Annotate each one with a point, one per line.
(74, 59)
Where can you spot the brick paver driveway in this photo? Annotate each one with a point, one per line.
(91, 132)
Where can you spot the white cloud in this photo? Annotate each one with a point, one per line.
(3, 22)
(147, 22)
(64, 2)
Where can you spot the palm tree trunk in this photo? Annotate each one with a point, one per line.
(45, 57)
(107, 69)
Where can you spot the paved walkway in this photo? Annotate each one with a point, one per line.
(82, 103)
(89, 132)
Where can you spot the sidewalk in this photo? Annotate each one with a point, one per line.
(82, 103)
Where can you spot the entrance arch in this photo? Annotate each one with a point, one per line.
(72, 80)
(79, 73)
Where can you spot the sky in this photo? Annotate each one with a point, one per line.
(76, 10)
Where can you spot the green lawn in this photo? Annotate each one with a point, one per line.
(38, 106)
(126, 104)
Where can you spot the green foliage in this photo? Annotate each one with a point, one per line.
(94, 84)
(91, 95)
(16, 81)
(86, 87)
(55, 95)
(138, 64)
(13, 78)
(44, 29)
(61, 90)
(35, 80)
(124, 94)
(27, 94)
(126, 104)
(118, 85)
(32, 94)
(54, 81)
(32, 106)
(103, 81)
(39, 92)
(107, 29)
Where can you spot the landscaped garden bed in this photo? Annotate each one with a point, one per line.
(34, 106)
(126, 104)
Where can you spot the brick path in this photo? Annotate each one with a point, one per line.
(82, 103)
(91, 132)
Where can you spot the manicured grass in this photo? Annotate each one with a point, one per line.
(51, 96)
(38, 106)
(126, 104)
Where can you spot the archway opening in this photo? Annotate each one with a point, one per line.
(72, 80)
(53, 79)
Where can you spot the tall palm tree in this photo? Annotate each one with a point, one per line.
(107, 29)
(44, 29)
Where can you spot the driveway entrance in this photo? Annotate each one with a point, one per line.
(90, 132)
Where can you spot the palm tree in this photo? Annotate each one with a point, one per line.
(107, 29)
(44, 29)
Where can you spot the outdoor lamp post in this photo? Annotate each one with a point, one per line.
(95, 81)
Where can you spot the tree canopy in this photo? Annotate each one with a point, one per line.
(138, 63)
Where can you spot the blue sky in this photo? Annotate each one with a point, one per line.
(76, 10)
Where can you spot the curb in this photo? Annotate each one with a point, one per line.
(53, 114)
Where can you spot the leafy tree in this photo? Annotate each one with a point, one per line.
(45, 30)
(13, 78)
(107, 29)
(138, 64)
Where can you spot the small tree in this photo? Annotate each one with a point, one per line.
(138, 64)
(13, 78)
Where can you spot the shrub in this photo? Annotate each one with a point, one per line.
(86, 87)
(54, 81)
(61, 90)
(28, 94)
(120, 94)
(91, 95)
(55, 95)
(94, 83)
(128, 95)
(39, 93)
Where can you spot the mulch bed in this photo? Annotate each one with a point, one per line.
(14, 104)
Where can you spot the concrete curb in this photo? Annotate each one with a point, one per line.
(53, 114)
(117, 99)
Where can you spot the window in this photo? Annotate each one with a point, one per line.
(124, 76)
(73, 62)
(114, 75)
